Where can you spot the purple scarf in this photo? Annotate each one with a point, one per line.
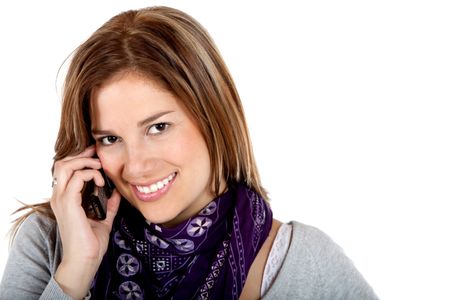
(205, 257)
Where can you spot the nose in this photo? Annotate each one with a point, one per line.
(139, 162)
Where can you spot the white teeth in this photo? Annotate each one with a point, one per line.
(155, 186)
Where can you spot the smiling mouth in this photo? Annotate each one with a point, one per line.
(155, 187)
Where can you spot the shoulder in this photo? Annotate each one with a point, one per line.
(315, 267)
(311, 241)
(38, 222)
(36, 226)
(33, 259)
(38, 238)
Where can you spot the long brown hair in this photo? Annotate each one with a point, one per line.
(173, 49)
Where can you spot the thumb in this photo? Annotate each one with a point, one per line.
(112, 207)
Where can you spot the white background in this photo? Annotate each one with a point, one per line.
(347, 104)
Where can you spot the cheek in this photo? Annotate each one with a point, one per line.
(189, 148)
(108, 161)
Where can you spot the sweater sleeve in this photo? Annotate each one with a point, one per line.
(33, 258)
(316, 268)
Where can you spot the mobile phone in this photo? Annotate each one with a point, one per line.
(94, 198)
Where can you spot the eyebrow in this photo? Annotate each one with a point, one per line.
(153, 118)
(150, 119)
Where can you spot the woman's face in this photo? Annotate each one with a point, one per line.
(151, 149)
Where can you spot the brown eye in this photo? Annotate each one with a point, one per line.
(158, 128)
(108, 140)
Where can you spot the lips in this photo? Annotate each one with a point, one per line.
(154, 190)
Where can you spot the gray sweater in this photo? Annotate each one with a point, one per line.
(314, 267)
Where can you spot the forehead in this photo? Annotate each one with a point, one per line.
(124, 78)
(127, 90)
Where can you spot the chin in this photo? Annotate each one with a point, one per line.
(157, 218)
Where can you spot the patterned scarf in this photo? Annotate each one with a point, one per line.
(205, 257)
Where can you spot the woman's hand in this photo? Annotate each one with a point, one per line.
(84, 241)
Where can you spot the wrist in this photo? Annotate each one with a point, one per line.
(75, 278)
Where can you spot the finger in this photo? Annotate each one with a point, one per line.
(76, 164)
(112, 207)
(64, 170)
(88, 152)
(80, 177)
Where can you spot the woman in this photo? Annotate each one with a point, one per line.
(148, 100)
